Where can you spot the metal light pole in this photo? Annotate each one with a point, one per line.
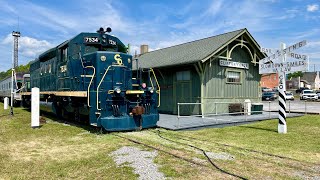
(16, 35)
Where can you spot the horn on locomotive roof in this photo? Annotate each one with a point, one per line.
(108, 30)
(101, 30)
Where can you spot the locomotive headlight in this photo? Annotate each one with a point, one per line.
(117, 90)
(103, 58)
(150, 89)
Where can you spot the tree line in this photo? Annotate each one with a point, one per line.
(19, 69)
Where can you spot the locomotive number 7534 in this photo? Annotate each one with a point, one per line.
(91, 39)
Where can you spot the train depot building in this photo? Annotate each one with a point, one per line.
(210, 73)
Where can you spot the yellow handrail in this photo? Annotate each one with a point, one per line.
(105, 73)
(88, 91)
(158, 91)
(151, 82)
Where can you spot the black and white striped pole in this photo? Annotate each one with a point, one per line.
(269, 65)
(282, 125)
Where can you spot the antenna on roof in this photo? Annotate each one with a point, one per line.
(18, 24)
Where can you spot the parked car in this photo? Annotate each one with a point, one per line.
(275, 89)
(318, 93)
(265, 89)
(289, 96)
(308, 94)
(269, 96)
(301, 89)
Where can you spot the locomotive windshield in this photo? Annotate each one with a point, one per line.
(93, 48)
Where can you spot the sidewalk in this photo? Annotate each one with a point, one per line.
(172, 122)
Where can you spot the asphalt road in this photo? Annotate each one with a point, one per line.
(297, 105)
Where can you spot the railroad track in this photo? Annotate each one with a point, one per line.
(212, 164)
(188, 138)
(295, 162)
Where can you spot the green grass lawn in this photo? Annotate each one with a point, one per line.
(60, 151)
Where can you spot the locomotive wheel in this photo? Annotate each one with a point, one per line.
(101, 130)
(76, 115)
(64, 114)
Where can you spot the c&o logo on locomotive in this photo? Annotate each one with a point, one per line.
(117, 58)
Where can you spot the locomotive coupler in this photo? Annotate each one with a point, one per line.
(137, 111)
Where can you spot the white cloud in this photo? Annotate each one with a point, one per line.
(313, 7)
(48, 17)
(7, 8)
(134, 49)
(306, 34)
(28, 47)
(313, 44)
(108, 16)
(171, 26)
(214, 8)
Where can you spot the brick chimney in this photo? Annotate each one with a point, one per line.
(144, 49)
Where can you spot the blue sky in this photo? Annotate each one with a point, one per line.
(44, 24)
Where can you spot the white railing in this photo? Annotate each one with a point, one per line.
(244, 106)
(269, 107)
(304, 106)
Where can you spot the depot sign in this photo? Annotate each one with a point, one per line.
(234, 64)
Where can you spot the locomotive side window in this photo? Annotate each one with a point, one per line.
(75, 49)
(64, 54)
(41, 70)
(49, 68)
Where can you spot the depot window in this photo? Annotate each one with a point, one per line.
(233, 76)
(183, 76)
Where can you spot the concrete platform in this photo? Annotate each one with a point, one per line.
(172, 122)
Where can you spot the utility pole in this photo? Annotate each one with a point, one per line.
(16, 35)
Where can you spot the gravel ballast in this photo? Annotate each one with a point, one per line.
(140, 161)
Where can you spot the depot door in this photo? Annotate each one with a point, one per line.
(183, 95)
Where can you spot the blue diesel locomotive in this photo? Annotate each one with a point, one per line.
(90, 78)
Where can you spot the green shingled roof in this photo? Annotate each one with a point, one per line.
(186, 53)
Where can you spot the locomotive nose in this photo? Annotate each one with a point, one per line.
(113, 72)
(113, 58)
